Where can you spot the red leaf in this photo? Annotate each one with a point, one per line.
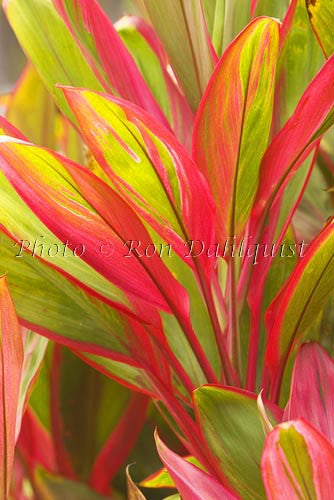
(6, 128)
(191, 482)
(11, 362)
(312, 389)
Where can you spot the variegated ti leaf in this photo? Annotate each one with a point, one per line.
(64, 195)
(108, 56)
(11, 362)
(312, 389)
(181, 23)
(313, 115)
(149, 168)
(233, 123)
(299, 302)
(192, 482)
(297, 463)
(321, 13)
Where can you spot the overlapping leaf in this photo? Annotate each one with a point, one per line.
(181, 23)
(299, 302)
(47, 42)
(106, 53)
(192, 482)
(313, 116)
(52, 186)
(233, 123)
(148, 167)
(153, 63)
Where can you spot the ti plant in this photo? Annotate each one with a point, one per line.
(167, 251)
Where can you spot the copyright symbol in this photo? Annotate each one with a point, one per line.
(105, 248)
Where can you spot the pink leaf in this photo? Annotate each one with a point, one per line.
(191, 482)
(312, 389)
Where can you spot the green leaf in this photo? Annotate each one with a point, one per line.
(162, 479)
(232, 429)
(31, 109)
(46, 299)
(321, 13)
(300, 59)
(50, 46)
(214, 11)
(53, 487)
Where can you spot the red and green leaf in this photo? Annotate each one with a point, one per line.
(313, 116)
(150, 169)
(233, 123)
(104, 49)
(153, 63)
(297, 463)
(51, 186)
(299, 302)
(192, 483)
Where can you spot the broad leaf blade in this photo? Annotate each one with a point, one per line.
(230, 424)
(312, 389)
(233, 123)
(297, 463)
(11, 362)
(321, 14)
